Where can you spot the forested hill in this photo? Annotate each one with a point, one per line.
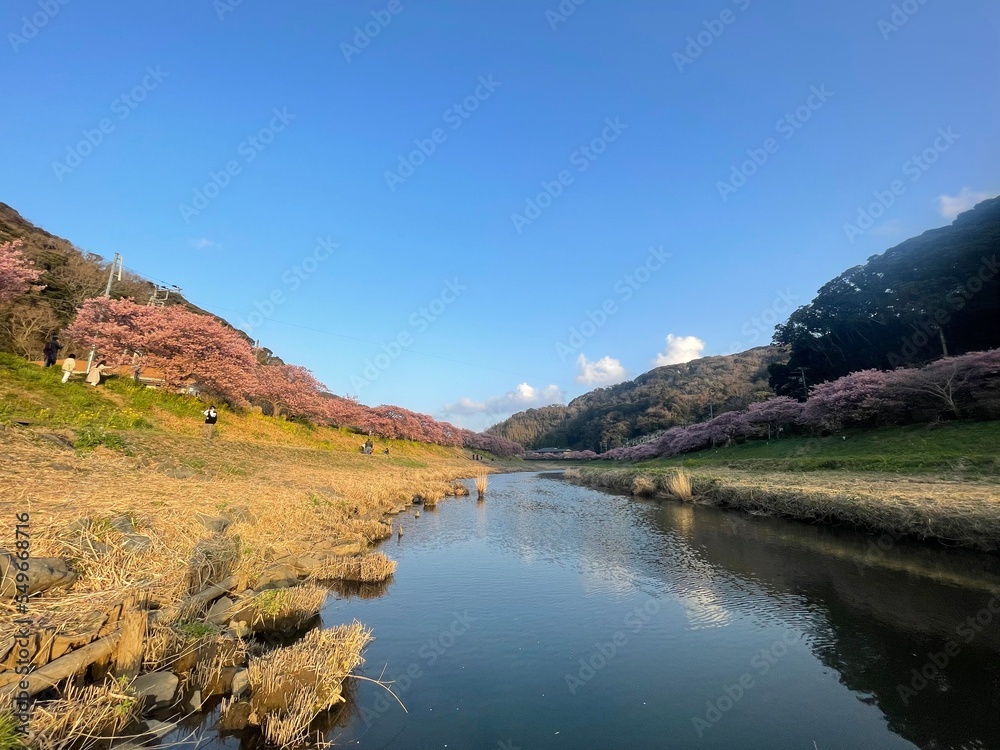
(656, 400)
(70, 276)
(935, 294)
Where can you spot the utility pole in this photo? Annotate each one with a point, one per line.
(116, 265)
(801, 372)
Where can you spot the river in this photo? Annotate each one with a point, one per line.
(558, 616)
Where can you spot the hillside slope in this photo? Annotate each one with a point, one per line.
(661, 398)
(935, 294)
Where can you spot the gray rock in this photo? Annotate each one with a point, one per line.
(215, 524)
(146, 732)
(156, 689)
(181, 472)
(194, 702)
(60, 441)
(306, 565)
(237, 717)
(122, 524)
(241, 683)
(80, 525)
(136, 543)
(240, 514)
(277, 577)
(44, 573)
(220, 612)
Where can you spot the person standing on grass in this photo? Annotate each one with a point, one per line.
(211, 417)
(51, 350)
(94, 376)
(68, 367)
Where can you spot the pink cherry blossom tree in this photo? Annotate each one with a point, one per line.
(17, 274)
(290, 390)
(184, 346)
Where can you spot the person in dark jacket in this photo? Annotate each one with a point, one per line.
(211, 417)
(51, 350)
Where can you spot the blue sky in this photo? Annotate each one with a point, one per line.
(471, 208)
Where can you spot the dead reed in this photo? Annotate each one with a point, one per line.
(291, 687)
(643, 486)
(370, 568)
(482, 482)
(679, 484)
(83, 717)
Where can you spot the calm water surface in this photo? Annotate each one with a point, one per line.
(557, 616)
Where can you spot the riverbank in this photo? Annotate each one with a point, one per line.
(945, 510)
(167, 569)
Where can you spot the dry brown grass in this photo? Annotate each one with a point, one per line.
(293, 493)
(482, 482)
(643, 486)
(963, 513)
(679, 484)
(286, 609)
(83, 717)
(291, 687)
(362, 569)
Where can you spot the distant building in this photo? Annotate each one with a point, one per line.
(552, 452)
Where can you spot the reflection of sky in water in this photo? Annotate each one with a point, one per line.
(704, 609)
(553, 572)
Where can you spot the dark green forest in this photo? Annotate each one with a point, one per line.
(934, 295)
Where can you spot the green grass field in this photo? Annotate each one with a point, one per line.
(966, 448)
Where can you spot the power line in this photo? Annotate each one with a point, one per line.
(379, 343)
(341, 335)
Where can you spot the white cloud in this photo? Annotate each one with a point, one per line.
(605, 371)
(952, 205)
(679, 349)
(203, 243)
(522, 397)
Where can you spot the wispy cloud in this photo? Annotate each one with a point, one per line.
(605, 371)
(952, 205)
(203, 243)
(679, 349)
(522, 397)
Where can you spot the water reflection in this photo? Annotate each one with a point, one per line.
(597, 620)
(889, 613)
